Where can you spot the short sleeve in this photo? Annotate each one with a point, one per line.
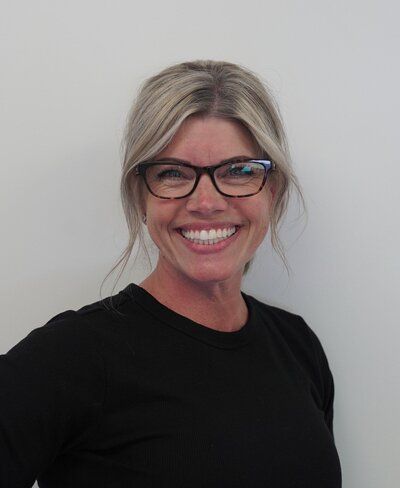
(52, 385)
(325, 377)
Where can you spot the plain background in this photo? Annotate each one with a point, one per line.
(69, 71)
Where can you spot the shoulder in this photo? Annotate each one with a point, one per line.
(292, 330)
(66, 358)
(93, 315)
(305, 347)
(54, 384)
(74, 334)
(289, 325)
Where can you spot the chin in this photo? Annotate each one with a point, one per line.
(213, 274)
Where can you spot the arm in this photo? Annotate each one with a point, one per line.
(51, 391)
(325, 379)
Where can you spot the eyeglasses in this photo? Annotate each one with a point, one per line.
(171, 179)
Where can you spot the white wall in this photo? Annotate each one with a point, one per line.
(69, 71)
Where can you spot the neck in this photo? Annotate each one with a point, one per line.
(219, 306)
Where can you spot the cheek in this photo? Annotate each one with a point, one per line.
(159, 215)
(156, 224)
(261, 222)
(258, 212)
(159, 235)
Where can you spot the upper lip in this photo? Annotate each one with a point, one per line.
(207, 226)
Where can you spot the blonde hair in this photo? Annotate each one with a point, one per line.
(213, 88)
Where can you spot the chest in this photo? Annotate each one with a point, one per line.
(208, 417)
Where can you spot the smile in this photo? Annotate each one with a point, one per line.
(208, 237)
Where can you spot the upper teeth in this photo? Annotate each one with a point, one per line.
(208, 236)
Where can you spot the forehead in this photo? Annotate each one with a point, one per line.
(209, 140)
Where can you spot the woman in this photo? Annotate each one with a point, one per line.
(183, 381)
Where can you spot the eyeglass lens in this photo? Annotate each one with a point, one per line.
(171, 180)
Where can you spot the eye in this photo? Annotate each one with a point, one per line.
(240, 170)
(169, 173)
(236, 170)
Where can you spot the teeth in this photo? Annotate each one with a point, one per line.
(204, 235)
(211, 236)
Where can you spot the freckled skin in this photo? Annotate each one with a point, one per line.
(205, 141)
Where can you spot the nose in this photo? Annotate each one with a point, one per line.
(206, 199)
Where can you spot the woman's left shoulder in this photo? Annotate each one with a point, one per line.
(292, 328)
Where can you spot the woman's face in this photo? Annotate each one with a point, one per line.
(205, 141)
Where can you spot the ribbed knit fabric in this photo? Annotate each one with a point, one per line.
(139, 396)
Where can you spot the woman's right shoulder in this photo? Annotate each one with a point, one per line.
(72, 331)
(53, 387)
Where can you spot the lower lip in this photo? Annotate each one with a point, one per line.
(209, 248)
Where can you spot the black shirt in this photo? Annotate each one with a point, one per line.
(139, 396)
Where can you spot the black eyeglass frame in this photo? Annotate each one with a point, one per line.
(142, 167)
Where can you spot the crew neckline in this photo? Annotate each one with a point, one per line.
(200, 332)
